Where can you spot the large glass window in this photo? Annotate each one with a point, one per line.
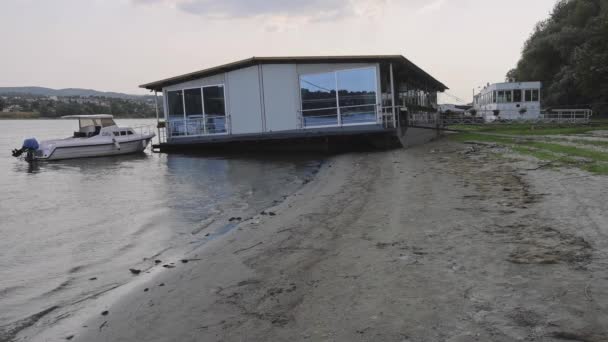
(215, 108)
(319, 102)
(194, 103)
(353, 101)
(527, 95)
(516, 95)
(357, 95)
(175, 104)
(508, 96)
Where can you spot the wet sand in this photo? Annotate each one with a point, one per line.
(440, 242)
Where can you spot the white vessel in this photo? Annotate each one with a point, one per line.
(97, 136)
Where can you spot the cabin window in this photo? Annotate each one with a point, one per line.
(517, 95)
(175, 104)
(116, 133)
(501, 97)
(129, 133)
(535, 95)
(123, 133)
(508, 96)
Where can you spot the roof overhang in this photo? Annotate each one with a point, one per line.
(398, 61)
(91, 116)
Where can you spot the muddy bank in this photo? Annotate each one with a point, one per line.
(435, 243)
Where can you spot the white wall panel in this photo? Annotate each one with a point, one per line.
(244, 100)
(281, 98)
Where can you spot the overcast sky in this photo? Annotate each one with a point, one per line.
(115, 45)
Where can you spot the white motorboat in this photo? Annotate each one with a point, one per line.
(97, 136)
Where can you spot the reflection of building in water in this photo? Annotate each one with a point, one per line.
(269, 98)
(509, 101)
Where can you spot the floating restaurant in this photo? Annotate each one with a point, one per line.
(294, 101)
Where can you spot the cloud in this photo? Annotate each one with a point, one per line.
(432, 7)
(301, 10)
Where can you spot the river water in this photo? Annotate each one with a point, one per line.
(70, 229)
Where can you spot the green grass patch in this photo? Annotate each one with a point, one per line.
(597, 168)
(462, 137)
(531, 129)
(570, 150)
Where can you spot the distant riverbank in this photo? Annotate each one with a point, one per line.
(35, 115)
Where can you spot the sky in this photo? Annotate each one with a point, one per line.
(116, 45)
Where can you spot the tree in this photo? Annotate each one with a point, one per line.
(568, 53)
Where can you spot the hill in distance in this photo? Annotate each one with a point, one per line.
(41, 91)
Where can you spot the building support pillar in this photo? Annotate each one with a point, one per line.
(393, 94)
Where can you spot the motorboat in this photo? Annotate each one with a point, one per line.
(97, 136)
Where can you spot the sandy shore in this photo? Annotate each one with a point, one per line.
(434, 243)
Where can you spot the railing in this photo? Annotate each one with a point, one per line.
(209, 125)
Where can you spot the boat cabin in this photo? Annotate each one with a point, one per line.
(92, 125)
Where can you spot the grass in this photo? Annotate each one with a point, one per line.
(19, 115)
(547, 151)
(531, 129)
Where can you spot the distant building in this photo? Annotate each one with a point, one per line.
(508, 101)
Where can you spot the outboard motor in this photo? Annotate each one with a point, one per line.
(29, 148)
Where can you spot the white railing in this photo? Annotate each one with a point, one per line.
(568, 115)
(209, 125)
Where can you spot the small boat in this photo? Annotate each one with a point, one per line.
(97, 136)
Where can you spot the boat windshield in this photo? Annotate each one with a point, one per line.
(89, 122)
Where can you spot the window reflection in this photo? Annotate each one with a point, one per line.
(175, 104)
(319, 106)
(353, 102)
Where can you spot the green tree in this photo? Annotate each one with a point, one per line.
(568, 52)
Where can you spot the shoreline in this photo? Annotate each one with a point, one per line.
(433, 243)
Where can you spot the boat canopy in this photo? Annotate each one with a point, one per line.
(89, 116)
(95, 120)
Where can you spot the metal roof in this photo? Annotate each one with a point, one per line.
(398, 61)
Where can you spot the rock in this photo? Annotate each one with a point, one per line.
(271, 213)
(135, 271)
(105, 313)
(69, 337)
(263, 213)
(146, 289)
(161, 284)
(185, 261)
(157, 261)
(94, 278)
(168, 266)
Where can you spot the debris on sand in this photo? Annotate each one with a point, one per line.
(235, 219)
(105, 313)
(161, 284)
(69, 337)
(157, 261)
(135, 271)
(93, 278)
(168, 266)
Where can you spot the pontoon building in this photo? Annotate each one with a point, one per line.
(262, 100)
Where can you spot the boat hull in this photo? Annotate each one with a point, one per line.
(96, 150)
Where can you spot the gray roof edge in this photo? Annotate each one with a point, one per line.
(243, 63)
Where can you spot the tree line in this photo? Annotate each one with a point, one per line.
(49, 108)
(568, 53)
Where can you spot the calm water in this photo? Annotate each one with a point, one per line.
(62, 223)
